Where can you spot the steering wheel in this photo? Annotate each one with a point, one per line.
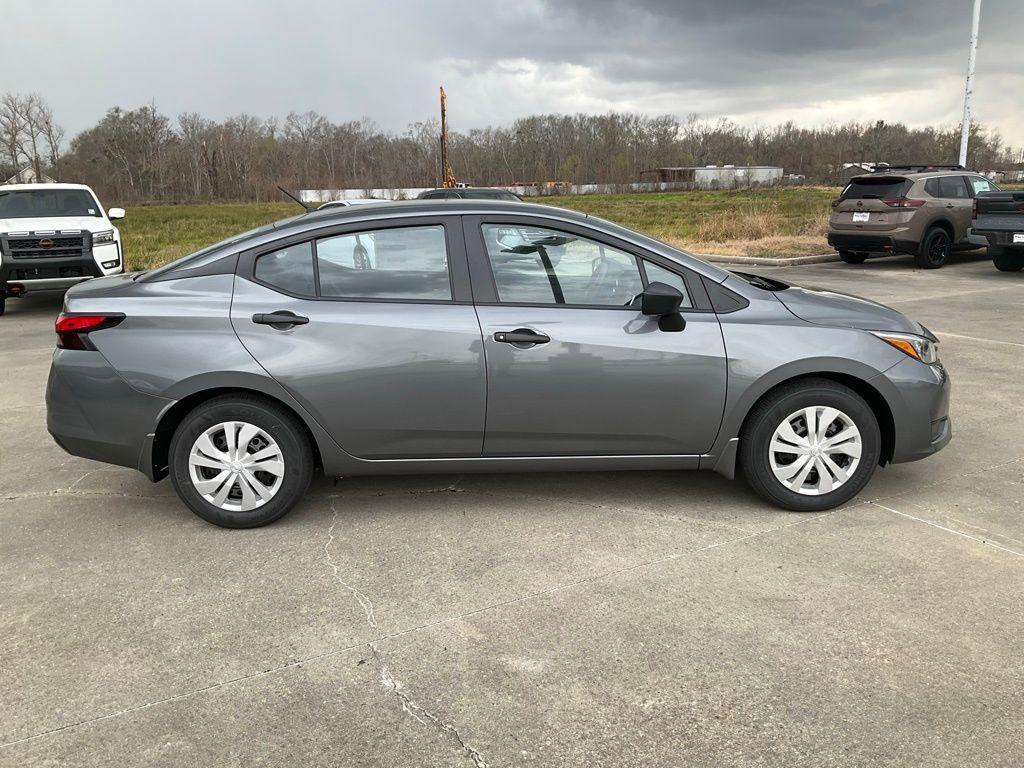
(600, 268)
(360, 256)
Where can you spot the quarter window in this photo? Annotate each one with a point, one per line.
(534, 265)
(290, 269)
(398, 263)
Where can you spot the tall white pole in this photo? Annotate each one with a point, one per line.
(965, 131)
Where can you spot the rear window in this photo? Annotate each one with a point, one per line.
(881, 188)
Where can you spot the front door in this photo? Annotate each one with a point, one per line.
(385, 351)
(596, 377)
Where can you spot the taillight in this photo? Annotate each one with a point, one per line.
(73, 330)
(903, 202)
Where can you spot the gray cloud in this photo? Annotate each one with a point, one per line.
(814, 61)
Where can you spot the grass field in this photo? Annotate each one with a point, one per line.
(771, 222)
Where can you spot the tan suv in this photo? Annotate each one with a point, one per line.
(923, 210)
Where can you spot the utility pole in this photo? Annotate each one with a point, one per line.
(965, 131)
(448, 179)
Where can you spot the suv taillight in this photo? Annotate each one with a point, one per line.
(836, 202)
(903, 202)
(974, 208)
(73, 330)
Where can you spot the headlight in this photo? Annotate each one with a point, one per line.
(102, 238)
(918, 347)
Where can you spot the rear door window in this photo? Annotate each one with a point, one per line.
(882, 188)
(953, 188)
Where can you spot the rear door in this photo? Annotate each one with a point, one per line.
(385, 349)
(601, 379)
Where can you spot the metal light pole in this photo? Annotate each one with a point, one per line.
(965, 131)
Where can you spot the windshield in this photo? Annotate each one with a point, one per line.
(47, 203)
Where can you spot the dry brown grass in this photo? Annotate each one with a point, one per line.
(759, 229)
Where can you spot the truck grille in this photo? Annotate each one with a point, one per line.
(47, 247)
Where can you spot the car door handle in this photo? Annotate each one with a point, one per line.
(282, 319)
(521, 336)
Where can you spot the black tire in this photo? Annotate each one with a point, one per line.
(773, 410)
(852, 257)
(3, 304)
(278, 423)
(935, 248)
(1006, 259)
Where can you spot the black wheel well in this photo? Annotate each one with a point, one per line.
(942, 224)
(874, 399)
(176, 413)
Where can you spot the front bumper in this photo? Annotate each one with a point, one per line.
(93, 413)
(918, 397)
(39, 274)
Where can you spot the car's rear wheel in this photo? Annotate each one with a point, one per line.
(240, 462)
(1007, 260)
(810, 445)
(853, 257)
(935, 249)
(3, 303)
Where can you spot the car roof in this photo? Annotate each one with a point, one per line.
(32, 186)
(323, 218)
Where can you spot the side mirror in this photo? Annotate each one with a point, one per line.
(115, 213)
(663, 301)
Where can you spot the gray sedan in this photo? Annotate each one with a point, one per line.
(477, 336)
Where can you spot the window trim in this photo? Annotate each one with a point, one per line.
(483, 274)
(458, 270)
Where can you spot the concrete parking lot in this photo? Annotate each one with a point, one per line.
(590, 619)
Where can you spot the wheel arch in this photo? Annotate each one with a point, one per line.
(173, 415)
(725, 463)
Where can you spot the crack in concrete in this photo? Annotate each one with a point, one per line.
(410, 707)
(947, 529)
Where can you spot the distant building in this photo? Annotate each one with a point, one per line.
(28, 175)
(720, 176)
(849, 170)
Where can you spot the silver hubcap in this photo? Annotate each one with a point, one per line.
(236, 466)
(815, 450)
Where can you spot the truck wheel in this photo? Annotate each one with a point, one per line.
(809, 445)
(935, 249)
(1007, 260)
(3, 303)
(850, 257)
(240, 461)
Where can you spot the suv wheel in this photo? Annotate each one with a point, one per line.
(850, 257)
(810, 445)
(935, 249)
(240, 462)
(3, 303)
(1007, 260)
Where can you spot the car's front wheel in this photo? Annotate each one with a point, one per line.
(810, 445)
(1007, 260)
(240, 461)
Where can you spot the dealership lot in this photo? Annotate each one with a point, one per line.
(588, 619)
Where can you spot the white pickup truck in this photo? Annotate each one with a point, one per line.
(53, 236)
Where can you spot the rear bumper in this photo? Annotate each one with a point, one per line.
(918, 397)
(870, 243)
(93, 413)
(995, 237)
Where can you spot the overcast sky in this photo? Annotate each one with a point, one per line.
(754, 61)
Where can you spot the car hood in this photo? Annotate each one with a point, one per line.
(823, 307)
(89, 223)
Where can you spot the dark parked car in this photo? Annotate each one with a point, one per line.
(999, 218)
(477, 336)
(469, 193)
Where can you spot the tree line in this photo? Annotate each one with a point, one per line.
(142, 155)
